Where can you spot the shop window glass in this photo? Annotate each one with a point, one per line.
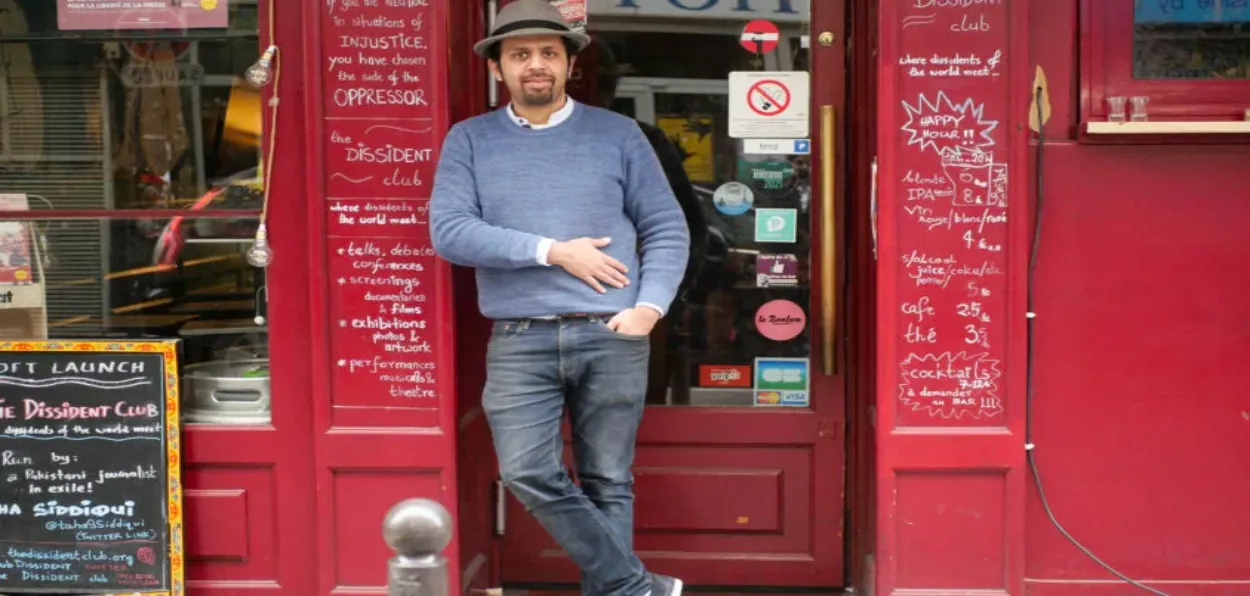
(128, 145)
(1176, 60)
(707, 351)
(1192, 39)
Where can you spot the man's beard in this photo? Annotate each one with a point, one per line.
(537, 99)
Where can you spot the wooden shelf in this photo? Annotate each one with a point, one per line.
(1168, 128)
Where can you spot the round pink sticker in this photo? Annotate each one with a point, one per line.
(780, 320)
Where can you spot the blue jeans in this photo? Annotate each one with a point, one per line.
(534, 369)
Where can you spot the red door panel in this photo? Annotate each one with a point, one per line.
(383, 409)
(742, 511)
(250, 526)
(954, 232)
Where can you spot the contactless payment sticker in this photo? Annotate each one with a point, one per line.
(776, 225)
(780, 320)
(776, 270)
(733, 198)
(782, 382)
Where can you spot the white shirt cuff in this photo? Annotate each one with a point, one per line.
(652, 307)
(544, 247)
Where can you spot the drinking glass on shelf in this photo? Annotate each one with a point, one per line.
(1139, 108)
(1115, 108)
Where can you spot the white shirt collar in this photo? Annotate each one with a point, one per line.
(557, 117)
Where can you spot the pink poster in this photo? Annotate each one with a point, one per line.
(141, 14)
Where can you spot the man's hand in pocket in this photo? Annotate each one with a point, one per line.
(639, 320)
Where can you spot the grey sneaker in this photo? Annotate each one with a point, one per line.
(663, 585)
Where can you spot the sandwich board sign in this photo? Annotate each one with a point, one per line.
(769, 104)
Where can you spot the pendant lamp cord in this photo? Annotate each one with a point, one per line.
(272, 138)
(269, 66)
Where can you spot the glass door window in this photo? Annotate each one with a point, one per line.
(739, 327)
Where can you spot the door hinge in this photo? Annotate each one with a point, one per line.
(501, 508)
(492, 86)
(828, 429)
(872, 208)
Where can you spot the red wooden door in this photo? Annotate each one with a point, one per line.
(950, 417)
(383, 386)
(248, 499)
(732, 488)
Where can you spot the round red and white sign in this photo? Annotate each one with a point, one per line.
(760, 36)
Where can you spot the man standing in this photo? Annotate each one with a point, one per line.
(579, 247)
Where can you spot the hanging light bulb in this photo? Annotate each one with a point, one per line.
(261, 73)
(260, 255)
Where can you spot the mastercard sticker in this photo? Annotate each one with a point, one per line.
(767, 398)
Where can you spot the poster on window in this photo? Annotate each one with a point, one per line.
(141, 14)
(1191, 11)
(15, 244)
(574, 13)
(692, 137)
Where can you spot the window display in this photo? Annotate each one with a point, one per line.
(137, 149)
(739, 332)
(1178, 66)
(1195, 40)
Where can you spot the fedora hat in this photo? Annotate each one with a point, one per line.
(529, 17)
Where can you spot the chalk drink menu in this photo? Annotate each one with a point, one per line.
(90, 496)
(952, 223)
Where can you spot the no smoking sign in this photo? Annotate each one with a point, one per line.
(769, 104)
(768, 97)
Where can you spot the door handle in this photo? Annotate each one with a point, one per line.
(828, 242)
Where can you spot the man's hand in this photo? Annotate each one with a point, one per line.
(583, 259)
(639, 320)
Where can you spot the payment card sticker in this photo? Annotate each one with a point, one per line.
(782, 382)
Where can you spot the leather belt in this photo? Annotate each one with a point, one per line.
(571, 315)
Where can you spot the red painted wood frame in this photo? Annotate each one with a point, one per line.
(950, 490)
(1107, 71)
(249, 512)
(475, 460)
(861, 327)
(366, 453)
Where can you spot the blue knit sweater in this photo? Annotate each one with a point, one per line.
(501, 189)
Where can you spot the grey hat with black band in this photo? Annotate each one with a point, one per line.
(530, 17)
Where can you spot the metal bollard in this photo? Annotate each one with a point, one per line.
(417, 530)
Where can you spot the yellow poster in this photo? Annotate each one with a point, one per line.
(693, 137)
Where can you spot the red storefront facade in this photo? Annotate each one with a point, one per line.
(906, 470)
